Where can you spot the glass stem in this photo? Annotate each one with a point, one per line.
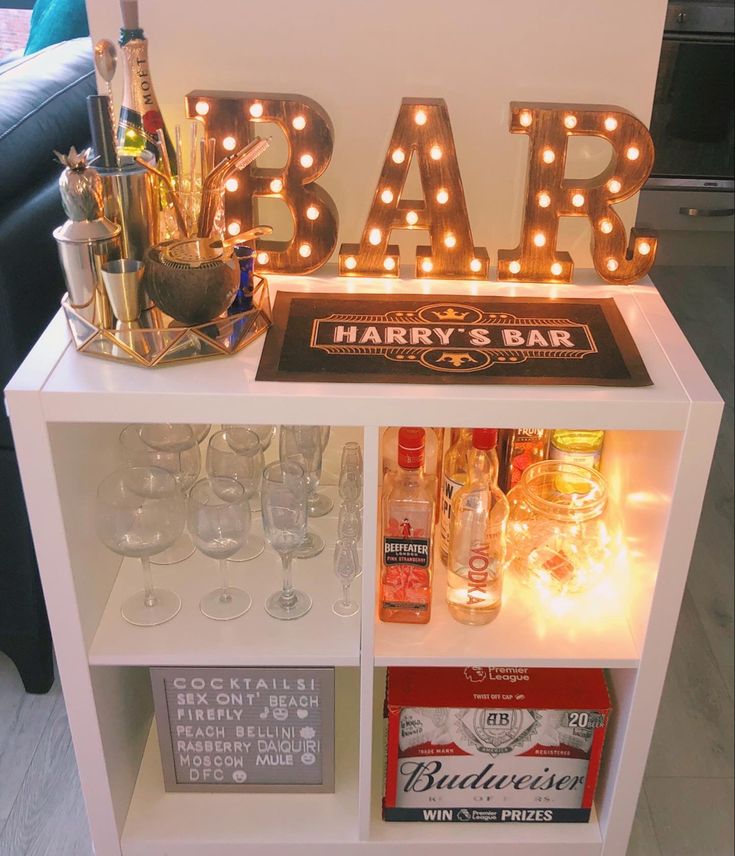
(346, 594)
(225, 596)
(149, 598)
(288, 598)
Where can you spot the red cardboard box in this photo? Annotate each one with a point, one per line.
(493, 745)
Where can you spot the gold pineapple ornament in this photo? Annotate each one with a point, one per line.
(80, 185)
(87, 240)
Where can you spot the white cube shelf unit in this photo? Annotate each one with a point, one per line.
(66, 411)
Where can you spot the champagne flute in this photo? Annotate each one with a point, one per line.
(140, 512)
(182, 459)
(351, 457)
(346, 567)
(245, 467)
(218, 515)
(284, 521)
(302, 444)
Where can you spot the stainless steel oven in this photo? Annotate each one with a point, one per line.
(692, 121)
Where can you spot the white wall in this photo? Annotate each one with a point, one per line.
(359, 59)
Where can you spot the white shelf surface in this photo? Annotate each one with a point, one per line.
(587, 630)
(320, 638)
(80, 388)
(233, 824)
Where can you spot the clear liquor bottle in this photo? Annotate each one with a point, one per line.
(454, 475)
(407, 520)
(477, 539)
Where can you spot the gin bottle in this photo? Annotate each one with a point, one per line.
(477, 536)
(407, 519)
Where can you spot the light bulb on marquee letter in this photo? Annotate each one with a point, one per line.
(549, 195)
(423, 131)
(310, 138)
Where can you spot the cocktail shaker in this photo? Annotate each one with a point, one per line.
(84, 247)
(131, 200)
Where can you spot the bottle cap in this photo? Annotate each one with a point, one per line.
(485, 438)
(411, 448)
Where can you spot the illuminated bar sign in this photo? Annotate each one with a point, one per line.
(411, 339)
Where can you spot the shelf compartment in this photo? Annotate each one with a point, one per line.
(589, 633)
(477, 839)
(320, 638)
(235, 824)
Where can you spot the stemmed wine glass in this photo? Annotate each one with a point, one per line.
(178, 453)
(219, 519)
(302, 444)
(307, 440)
(265, 433)
(284, 522)
(346, 567)
(140, 511)
(239, 457)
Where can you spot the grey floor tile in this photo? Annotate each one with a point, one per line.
(643, 841)
(48, 817)
(692, 817)
(23, 719)
(694, 729)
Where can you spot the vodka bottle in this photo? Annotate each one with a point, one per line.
(477, 536)
(407, 520)
(454, 475)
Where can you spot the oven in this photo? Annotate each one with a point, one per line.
(692, 120)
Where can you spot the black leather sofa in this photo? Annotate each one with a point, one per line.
(42, 107)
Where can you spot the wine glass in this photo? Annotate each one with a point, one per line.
(265, 434)
(302, 444)
(140, 512)
(324, 432)
(306, 440)
(284, 522)
(245, 467)
(218, 515)
(346, 567)
(182, 459)
(167, 437)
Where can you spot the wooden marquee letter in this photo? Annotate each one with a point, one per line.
(549, 195)
(229, 117)
(422, 129)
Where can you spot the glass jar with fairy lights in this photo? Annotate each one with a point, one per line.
(559, 533)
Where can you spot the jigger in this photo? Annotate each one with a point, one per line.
(123, 283)
(123, 279)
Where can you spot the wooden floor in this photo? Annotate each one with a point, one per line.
(685, 807)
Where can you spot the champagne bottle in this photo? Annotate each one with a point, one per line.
(140, 115)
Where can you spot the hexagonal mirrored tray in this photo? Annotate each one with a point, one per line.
(157, 340)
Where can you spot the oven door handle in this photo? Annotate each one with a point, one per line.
(707, 212)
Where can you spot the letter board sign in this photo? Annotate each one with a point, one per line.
(245, 729)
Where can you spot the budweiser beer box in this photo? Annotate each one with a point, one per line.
(493, 745)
